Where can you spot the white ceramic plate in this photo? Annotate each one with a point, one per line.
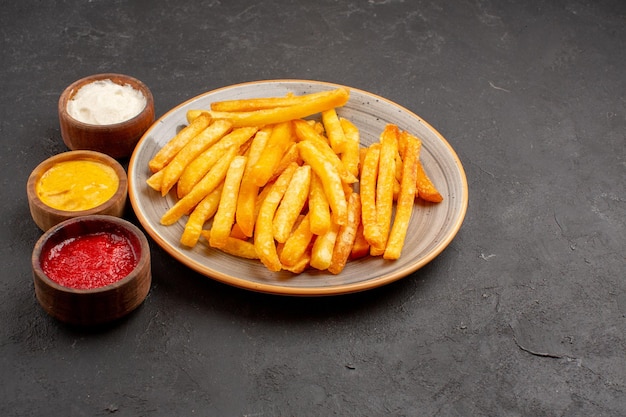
(431, 229)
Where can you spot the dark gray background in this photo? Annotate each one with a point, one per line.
(524, 314)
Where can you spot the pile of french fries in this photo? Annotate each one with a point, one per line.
(256, 179)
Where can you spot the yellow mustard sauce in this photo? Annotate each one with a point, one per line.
(77, 185)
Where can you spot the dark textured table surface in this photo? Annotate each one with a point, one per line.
(524, 314)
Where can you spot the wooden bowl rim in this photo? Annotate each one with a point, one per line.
(37, 173)
(120, 79)
(144, 256)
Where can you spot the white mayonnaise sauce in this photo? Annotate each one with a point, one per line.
(104, 102)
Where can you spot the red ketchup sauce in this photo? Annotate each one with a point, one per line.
(90, 261)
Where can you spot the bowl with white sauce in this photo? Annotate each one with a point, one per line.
(106, 113)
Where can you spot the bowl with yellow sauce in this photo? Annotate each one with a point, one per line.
(74, 184)
(106, 113)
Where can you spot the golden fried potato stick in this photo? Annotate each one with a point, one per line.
(225, 216)
(318, 127)
(322, 250)
(263, 192)
(304, 131)
(297, 243)
(154, 181)
(426, 190)
(263, 232)
(171, 148)
(244, 148)
(245, 215)
(360, 248)
(403, 139)
(330, 178)
(406, 200)
(200, 214)
(306, 106)
(346, 236)
(398, 164)
(291, 155)
(207, 184)
(202, 141)
(367, 189)
(292, 203)
(385, 184)
(300, 266)
(279, 141)
(362, 152)
(237, 233)
(425, 187)
(351, 150)
(319, 209)
(396, 189)
(196, 169)
(334, 131)
(235, 247)
(261, 103)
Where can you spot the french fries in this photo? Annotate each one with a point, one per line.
(262, 103)
(190, 151)
(346, 236)
(334, 131)
(292, 203)
(406, 199)
(209, 182)
(322, 250)
(279, 141)
(205, 209)
(258, 180)
(169, 151)
(331, 181)
(425, 187)
(248, 192)
(295, 248)
(318, 207)
(385, 186)
(303, 106)
(225, 216)
(304, 131)
(197, 168)
(234, 246)
(350, 155)
(264, 231)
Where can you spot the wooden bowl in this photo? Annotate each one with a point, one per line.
(117, 140)
(46, 216)
(97, 305)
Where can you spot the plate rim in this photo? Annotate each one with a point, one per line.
(273, 288)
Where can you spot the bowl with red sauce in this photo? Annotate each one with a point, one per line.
(91, 270)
